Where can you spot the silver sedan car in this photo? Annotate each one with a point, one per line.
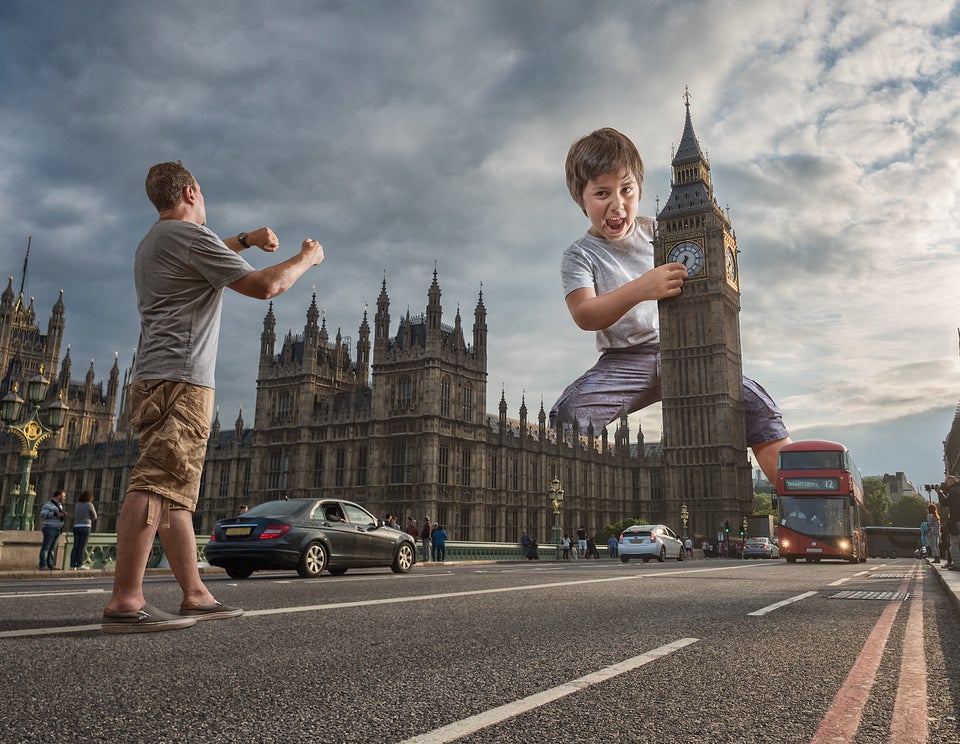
(760, 547)
(648, 541)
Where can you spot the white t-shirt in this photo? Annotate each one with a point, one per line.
(606, 265)
(180, 271)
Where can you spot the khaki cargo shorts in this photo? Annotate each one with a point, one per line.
(173, 419)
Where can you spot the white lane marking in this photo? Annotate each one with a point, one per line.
(398, 600)
(778, 605)
(838, 582)
(471, 725)
(30, 595)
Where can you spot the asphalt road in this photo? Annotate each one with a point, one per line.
(589, 651)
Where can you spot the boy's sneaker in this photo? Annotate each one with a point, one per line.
(146, 620)
(215, 611)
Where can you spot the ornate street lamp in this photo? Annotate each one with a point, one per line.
(557, 501)
(684, 518)
(31, 432)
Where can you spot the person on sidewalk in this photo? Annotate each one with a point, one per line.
(949, 494)
(84, 515)
(51, 525)
(180, 270)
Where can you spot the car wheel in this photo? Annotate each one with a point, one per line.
(791, 559)
(238, 572)
(313, 561)
(403, 560)
(663, 554)
(680, 554)
(646, 559)
(624, 558)
(337, 571)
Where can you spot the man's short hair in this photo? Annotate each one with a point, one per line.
(165, 184)
(602, 151)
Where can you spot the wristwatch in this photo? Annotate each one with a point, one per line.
(242, 239)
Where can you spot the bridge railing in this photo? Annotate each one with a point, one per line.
(101, 551)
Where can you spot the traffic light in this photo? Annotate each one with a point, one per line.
(726, 527)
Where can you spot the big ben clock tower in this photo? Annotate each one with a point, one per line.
(704, 441)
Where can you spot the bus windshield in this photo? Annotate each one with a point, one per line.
(816, 516)
(800, 460)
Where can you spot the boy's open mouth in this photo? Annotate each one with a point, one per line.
(616, 223)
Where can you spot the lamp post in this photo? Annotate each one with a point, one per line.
(31, 432)
(557, 501)
(684, 517)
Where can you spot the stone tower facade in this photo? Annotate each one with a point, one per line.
(704, 442)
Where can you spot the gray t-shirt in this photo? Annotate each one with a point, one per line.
(180, 271)
(606, 265)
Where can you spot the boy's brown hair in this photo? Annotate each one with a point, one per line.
(602, 151)
(165, 184)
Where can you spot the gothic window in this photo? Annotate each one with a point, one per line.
(246, 478)
(278, 471)
(404, 393)
(225, 482)
(318, 468)
(445, 397)
(284, 405)
(401, 462)
(467, 402)
(492, 524)
(514, 474)
(117, 485)
(362, 466)
(494, 472)
(340, 466)
(443, 470)
(465, 462)
(97, 483)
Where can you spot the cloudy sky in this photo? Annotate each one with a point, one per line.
(404, 134)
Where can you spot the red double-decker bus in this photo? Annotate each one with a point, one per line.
(820, 503)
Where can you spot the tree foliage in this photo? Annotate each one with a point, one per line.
(908, 511)
(763, 504)
(876, 495)
(615, 529)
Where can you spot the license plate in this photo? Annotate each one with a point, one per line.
(814, 550)
(635, 540)
(238, 531)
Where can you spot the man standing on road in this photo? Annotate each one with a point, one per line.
(426, 536)
(180, 271)
(51, 516)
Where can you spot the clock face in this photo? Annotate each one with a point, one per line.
(731, 260)
(690, 255)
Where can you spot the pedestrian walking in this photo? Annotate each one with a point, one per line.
(933, 532)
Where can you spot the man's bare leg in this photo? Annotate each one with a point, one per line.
(134, 543)
(180, 547)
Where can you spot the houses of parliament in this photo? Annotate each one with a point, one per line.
(397, 421)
